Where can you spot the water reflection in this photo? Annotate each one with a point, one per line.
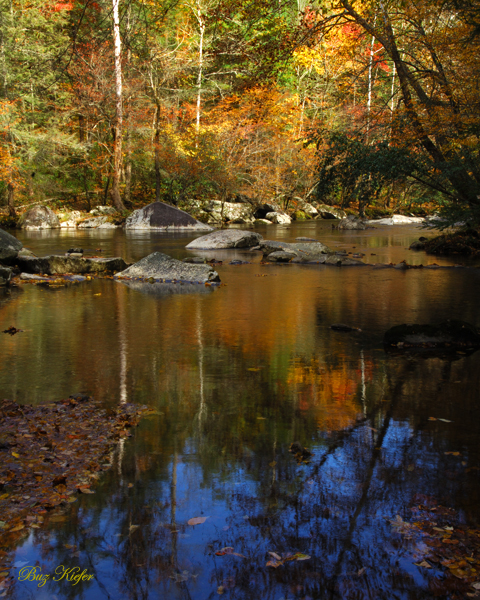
(235, 376)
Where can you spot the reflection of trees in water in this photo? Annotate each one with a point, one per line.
(332, 509)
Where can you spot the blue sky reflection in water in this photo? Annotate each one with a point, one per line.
(236, 375)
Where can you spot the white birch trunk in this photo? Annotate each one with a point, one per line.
(117, 144)
(201, 25)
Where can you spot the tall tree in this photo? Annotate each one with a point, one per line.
(118, 132)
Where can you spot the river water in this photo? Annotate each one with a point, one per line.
(236, 374)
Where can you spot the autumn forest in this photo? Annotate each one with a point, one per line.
(362, 104)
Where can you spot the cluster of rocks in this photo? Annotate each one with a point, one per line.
(42, 217)
(303, 250)
(17, 260)
(161, 216)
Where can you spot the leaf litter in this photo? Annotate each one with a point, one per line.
(51, 453)
(448, 545)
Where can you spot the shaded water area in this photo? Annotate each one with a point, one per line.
(235, 374)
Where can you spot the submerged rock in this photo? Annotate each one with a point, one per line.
(161, 216)
(226, 238)
(158, 266)
(451, 334)
(38, 217)
(60, 265)
(156, 288)
(9, 246)
(344, 328)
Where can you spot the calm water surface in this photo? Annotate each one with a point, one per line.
(236, 374)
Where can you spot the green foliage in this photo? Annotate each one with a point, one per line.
(354, 171)
(377, 212)
(7, 222)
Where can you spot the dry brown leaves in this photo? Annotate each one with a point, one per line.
(51, 453)
(452, 547)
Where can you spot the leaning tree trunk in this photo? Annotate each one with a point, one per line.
(117, 142)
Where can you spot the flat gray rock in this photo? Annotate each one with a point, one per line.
(281, 256)
(158, 266)
(340, 261)
(62, 265)
(301, 251)
(9, 246)
(226, 238)
(159, 215)
(38, 217)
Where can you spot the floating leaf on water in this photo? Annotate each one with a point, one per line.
(300, 556)
(445, 420)
(197, 520)
(453, 453)
(17, 528)
(432, 419)
(220, 589)
(476, 585)
(132, 528)
(274, 563)
(424, 564)
(85, 490)
(275, 556)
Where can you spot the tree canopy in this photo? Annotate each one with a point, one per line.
(358, 103)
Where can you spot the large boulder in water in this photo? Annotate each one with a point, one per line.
(160, 267)
(450, 334)
(9, 246)
(226, 238)
(39, 217)
(159, 215)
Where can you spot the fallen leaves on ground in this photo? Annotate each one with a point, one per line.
(50, 453)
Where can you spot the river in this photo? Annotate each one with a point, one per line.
(236, 374)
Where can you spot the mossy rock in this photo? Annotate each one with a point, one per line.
(299, 215)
